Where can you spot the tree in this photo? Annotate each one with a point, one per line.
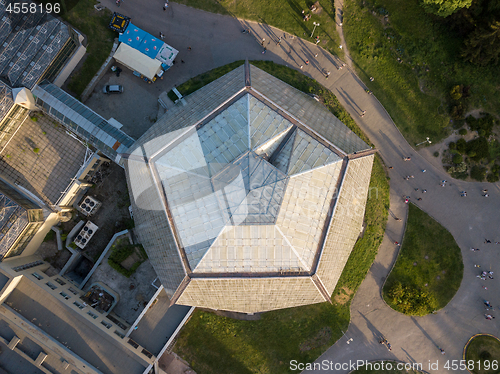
(483, 45)
(456, 92)
(444, 8)
(457, 158)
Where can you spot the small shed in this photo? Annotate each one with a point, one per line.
(137, 61)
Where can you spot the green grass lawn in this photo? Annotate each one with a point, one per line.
(429, 269)
(283, 14)
(94, 25)
(485, 349)
(214, 344)
(415, 88)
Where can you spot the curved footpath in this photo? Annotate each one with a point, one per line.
(217, 40)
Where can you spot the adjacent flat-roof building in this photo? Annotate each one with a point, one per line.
(250, 197)
(20, 219)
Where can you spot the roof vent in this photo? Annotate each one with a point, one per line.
(85, 234)
(88, 206)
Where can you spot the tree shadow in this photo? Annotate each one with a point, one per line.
(423, 331)
(376, 333)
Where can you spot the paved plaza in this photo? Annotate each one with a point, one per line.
(217, 40)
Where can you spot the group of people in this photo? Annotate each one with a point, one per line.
(485, 274)
(307, 16)
(386, 343)
(484, 193)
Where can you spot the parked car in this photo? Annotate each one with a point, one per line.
(112, 88)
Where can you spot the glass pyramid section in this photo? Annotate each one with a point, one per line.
(259, 248)
(197, 218)
(264, 122)
(187, 156)
(225, 137)
(302, 153)
(250, 190)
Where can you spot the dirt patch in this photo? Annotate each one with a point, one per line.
(322, 337)
(130, 261)
(476, 113)
(344, 296)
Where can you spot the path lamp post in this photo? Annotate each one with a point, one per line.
(425, 141)
(315, 25)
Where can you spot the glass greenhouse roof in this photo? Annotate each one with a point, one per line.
(250, 196)
(234, 171)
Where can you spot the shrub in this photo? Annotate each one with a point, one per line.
(485, 123)
(120, 252)
(410, 300)
(36, 150)
(461, 145)
(64, 236)
(436, 154)
(460, 168)
(452, 146)
(462, 132)
(457, 159)
(478, 173)
(479, 146)
(458, 111)
(34, 118)
(492, 178)
(456, 92)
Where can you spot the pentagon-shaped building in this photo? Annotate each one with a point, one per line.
(249, 196)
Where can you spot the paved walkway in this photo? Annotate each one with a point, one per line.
(217, 40)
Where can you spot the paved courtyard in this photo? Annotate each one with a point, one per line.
(217, 40)
(136, 108)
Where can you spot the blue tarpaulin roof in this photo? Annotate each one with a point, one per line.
(141, 40)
